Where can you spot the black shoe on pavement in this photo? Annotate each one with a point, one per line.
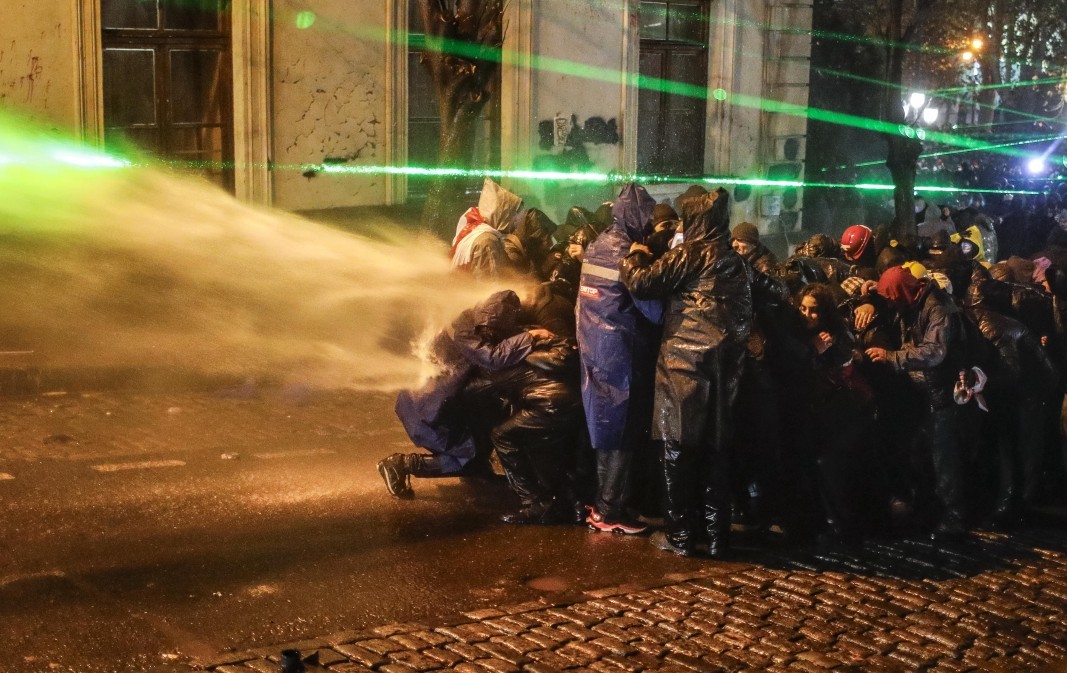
(396, 476)
(531, 515)
(948, 532)
(659, 540)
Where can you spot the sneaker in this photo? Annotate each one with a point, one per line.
(622, 524)
(396, 477)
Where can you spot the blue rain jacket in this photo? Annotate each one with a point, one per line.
(616, 333)
(486, 338)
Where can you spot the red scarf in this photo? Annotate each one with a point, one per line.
(900, 287)
(474, 218)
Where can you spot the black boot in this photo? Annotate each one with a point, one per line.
(396, 474)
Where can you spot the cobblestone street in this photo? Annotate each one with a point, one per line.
(995, 603)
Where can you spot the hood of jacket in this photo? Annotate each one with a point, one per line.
(632, 212)
(499, 316)
(707, 218)
(498, 206)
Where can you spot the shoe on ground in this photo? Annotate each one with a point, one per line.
(396, 477)
(531, 515)
(659, 540)
(948, 533)
(621, 524)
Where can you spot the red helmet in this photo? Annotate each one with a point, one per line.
(855, 240)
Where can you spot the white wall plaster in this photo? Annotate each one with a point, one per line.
(329, 101)
(38, 62)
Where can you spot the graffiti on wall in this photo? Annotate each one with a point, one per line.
(20, 77)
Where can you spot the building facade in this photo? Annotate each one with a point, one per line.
(251, 92)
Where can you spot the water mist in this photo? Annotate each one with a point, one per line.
(110, 264)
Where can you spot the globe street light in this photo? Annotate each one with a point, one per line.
(930, 115)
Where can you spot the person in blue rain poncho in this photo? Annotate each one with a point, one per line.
(617, 343)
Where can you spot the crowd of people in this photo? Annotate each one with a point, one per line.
(668, 369)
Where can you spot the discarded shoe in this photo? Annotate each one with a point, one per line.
(622, 524)
(659, 540)
(396, 476)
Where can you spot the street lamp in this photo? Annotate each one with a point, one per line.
(930, 116)
(967, 56)
(977, 44)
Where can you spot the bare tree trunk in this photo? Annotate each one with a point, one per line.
(463, 53)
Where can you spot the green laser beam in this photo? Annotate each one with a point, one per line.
(900, 87)
(1004, 85)
(963, 151)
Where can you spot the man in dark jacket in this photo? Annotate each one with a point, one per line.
(616, 337)
(705, 329)
(747, 244)
(483, 340)
(1022, 379)
(933, 355)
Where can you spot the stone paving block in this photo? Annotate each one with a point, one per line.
(445, 657)
(524, 607)
(409, 641)
(546, 641)
(328, 657)
(466, 650)
(264, 666)
(715, 597)
(575, 616)
(651, 633)
(417, 661)
(609, 630)
(548, 658)
(520, 644)
(429, 636)
(228, 668)
(546, 618)
(498, 665)
(701, 625)
(483, 615)
(614, 646)
(395, 668)
(538, 667)
(577, 656)
(751, 658)
(498, 651)
(679, 629)
(789, 619)
(649, 647)
(577, 632)
(361, 655)
(468, 667)
(349, 667)
(669, 613)
(468, 633)
(817, 659)
(694, 663)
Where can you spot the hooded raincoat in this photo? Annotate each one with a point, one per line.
(615, 331)
(706, 326)
(478, 246)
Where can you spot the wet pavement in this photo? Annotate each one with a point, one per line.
(193, 532)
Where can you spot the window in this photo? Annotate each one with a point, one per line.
(670, 124)
(424, 118)
(167, 82)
